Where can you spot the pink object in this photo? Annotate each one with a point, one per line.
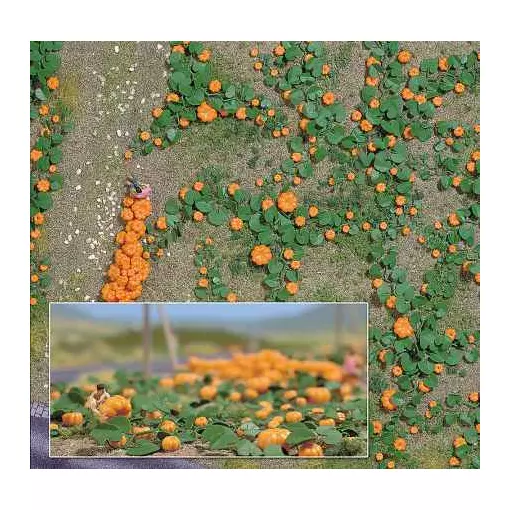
(146, 192)
(350, 365)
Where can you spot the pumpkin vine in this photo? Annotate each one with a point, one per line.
(45, 154)
(371, 192)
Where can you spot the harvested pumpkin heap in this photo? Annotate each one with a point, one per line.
(249, 405)
(131, 266)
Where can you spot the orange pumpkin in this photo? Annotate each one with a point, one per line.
(206, 113)
(52, 82)
(310, 449)
(261, 255)
(118, 444)
(201, 421)
(328, 98)
(318, 394)
(168, 426)
(170, 444)
(115, 406)
(208, 392)
(293, 417)
(402, 327)
(271, 436)
(400, 444)
(287, 201)
(215, 86)
(72, 419)
(143, 432)
(236, 224)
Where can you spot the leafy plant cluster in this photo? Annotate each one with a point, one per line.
(45, 155)
(373, 195)
(246, 415)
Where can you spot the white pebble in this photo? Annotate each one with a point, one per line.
(78, 187)
(116, 49)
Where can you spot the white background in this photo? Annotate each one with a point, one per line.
(259, 20)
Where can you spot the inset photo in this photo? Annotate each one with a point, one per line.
(208, 379)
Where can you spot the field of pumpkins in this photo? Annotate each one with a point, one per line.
(261, 404)
(371, 175)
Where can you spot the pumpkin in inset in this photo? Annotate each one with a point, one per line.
(201, 421)
(115, 406)
(293, 417)
(208, 392)
(170, 444)
(318, 394)
(310, 449)
(168, 426)
(72, 419)
(271, 436)
(118, 444)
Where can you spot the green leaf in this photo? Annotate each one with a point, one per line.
(204, 206)
(105, 432)
(299, 434)
(143, 447)
(246, 448)
(275, 266)
(273, 450)
(217, 217)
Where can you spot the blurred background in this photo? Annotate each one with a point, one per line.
(100, 338)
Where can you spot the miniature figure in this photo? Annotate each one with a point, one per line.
(138, 189)
(96, 398)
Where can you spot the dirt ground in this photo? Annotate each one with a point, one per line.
(111, 88)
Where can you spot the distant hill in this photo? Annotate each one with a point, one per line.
(347, 317)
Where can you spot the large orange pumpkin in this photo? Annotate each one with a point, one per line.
(287, 201)
(272, 436)
(261, 255)
(206, 113)
(115, 406)
(72, 419)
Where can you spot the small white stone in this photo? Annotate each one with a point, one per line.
(77, 231)
(119, 133)
(116, 49)
(78, 187)
(78, 172)
(86, 298)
